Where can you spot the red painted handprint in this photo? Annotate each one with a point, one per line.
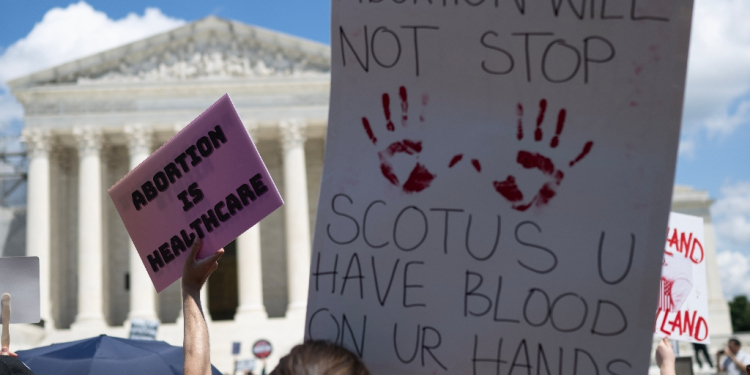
(533, 160)
(419, 177)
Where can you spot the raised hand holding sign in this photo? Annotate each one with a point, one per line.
(208, 182)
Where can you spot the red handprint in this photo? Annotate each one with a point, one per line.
(420, 177)
(533, 160)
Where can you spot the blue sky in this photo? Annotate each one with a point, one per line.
(714, 145)
(306, 18)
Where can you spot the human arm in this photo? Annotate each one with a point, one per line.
(5, 347)
(196, 348)
(739, 362)
(665, 357)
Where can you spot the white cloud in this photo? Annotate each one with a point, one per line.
(686, 148)
(66, 34)
(717, 67)
(734, 268)
(77, 31)
(731, 215)
(725, 124)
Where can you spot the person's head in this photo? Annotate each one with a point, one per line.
(734, 345)
(317, 357)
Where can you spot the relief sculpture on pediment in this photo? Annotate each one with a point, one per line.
(210, 59)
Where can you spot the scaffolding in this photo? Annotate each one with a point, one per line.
(13, 175)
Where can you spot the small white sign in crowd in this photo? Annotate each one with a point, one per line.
(682, 313)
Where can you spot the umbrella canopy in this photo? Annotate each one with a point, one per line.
(105, 355)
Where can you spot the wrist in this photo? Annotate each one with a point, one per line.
(190, 290)
(666, 367)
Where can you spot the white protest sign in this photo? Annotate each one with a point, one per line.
(143, 329)
(19, 277)
(497, 176)
(682, 313)
(243, 365)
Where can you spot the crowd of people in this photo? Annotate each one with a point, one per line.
(324, 358)
(320, 357)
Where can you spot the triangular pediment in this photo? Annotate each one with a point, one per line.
(211, 48)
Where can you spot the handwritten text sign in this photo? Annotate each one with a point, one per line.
(208, 181)
(682, 313)
(497, 176)
(19, 277)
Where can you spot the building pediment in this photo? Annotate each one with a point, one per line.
(211, 48)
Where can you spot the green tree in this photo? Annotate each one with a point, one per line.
(739, 309)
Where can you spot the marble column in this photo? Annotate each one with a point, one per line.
(38, 219)
(719, 318)
(90, 275)
(297, 217)
(250, 276)
(249, 269)
(142, 292)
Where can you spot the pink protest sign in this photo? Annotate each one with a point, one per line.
(207, 182)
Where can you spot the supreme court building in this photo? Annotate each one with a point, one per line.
(90, 121)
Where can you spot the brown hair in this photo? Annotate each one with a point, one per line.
(317, 357)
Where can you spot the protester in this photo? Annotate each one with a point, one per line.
(702, 348)
(664, 356)
(320, 357)
(735, 361)
(310, 358)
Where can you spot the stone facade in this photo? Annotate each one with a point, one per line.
(90, 121)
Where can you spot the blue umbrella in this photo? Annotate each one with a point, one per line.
(105, 355)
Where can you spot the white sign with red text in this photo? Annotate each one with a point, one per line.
(682, 313)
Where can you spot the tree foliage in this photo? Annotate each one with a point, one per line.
(739, 309)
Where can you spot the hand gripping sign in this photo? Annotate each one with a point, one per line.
(207, 182)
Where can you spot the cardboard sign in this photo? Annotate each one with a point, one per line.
(497, 176)
(208, 181)
(19, 276)
(143, 329)
(682, 313)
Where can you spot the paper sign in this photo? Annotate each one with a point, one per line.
(19, 276)
(143, 329)
(682, 313)
(497, 183)
(207, 181)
